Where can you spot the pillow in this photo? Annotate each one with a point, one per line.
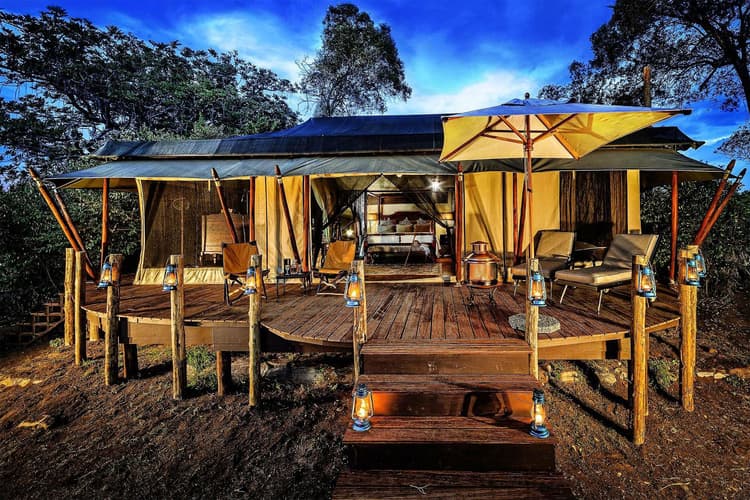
(425, 227)
(405, 221)
(386, 226)
(404, 228)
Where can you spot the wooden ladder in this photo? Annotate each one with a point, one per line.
(40, 323)
(452, 421)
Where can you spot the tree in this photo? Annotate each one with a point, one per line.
(78, 85)
(357, 68)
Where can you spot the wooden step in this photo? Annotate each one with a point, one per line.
(46, 314)
(497, 356)
(449, 443)
(400, 484)
(451, 395)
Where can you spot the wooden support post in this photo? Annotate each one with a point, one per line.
(130, 361)
(253, 317)
(179, 352)
(306, 207)
(675, 226)
(68, 307)
(112, 328)
(79, 314)
(521, 226)
(638, 394)
(714, 201)
(224, 209)
(105, 222)
(715, 215)
(287, 215)
(251, 210)
(688, 331)
(223, 372)
(459, 224)
(515, 217)
(95, 330)
(359, 329)
(531, 331)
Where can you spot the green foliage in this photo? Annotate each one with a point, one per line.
(357, 69)
(78, 85)
(727, 248)
(57, 343)
(200, 358)
(663, 371)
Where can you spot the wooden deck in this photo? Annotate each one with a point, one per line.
(399, 312)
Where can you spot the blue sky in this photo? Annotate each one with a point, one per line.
(457, 55)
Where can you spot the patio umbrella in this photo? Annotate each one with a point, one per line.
(542, 129)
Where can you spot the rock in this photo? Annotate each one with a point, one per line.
(720, 375)
(569, 376)
(606, 378)
(705, 374)
(743, 372)
(711, 350)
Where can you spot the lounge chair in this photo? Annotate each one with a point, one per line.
(335, 268)
(616, 268)
(235, 261)
(554, 252)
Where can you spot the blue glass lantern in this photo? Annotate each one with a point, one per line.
(105, 277)
(353, 291)
(700, 264)
(250, 286)
(537, 290)
(645, 285)
(538, 416)
(170, 281)
(362, 408)
(692, 277)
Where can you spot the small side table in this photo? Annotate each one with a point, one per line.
(282, 278)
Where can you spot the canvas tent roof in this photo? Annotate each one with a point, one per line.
(406, 144)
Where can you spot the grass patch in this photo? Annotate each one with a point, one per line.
(57, 343)
(201, 369)
(663, 372)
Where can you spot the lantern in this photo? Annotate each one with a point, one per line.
(537, 288)
(170, 281)
(538, 416)
(700, 264)
(105, 278)
(250, 286)
(435, 185)
(362, 408)
(645, 285)
(691, 272)
(353, 291)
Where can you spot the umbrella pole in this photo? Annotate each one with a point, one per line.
(528, 145)
(532, 311)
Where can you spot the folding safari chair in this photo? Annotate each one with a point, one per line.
(554, 251)
(236, 260)
(335, 268)
(616, 268)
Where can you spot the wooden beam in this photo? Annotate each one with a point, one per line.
(528, 145)
(224, 209)
(177, 330)
(459, 223)
(715, 216)
(688, 332)
(130, 361)
(675, 227)
(68, 307)
(223, 372)
(287, 215)
(359, 329)
(57, 214)
(79, 315)
(638, 394)
(647, 86)
(253, 316)
(251, 210)
(521, 225)
(105, 222)
(515, 216)
(714, 201)
(306, 207)
(113, 323)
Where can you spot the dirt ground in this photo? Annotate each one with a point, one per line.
(64, 434)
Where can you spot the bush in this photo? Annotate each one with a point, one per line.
(727, 248)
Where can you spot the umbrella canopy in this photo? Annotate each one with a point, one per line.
(543, 129)
(551, 128)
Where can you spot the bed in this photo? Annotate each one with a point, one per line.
(410, 235)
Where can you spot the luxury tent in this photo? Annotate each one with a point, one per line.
(358, 173)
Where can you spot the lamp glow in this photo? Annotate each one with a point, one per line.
(700, 264)
(353, 291)
(349, 233)
(362, 408)
(537, 289)
(250, 286)
(170, 281)
(692, 277)
(538, 416)
(105, 277)
(645, 285)
(435, 184)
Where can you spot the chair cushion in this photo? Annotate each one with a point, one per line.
(624, 246)
(555, 244)
(595, 276)
(549, 267)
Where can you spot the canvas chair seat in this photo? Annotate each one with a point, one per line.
(616, 268)
(335, 268)
(554, 252)
(235, 261)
